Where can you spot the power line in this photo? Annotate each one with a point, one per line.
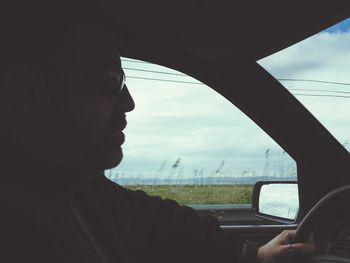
(198, 83)
(321, 90)
(159, 72)
(280, 79)
(321, 95)
(135, 61)
(166, 80)
(316, 80)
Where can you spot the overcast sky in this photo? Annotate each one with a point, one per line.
(325, 57)
(209, 135)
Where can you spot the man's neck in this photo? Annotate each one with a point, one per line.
(18, 166)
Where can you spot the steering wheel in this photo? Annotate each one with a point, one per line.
(333, 206)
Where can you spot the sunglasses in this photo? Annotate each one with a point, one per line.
(110, 80)
(117, 79)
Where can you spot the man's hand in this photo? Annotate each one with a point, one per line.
(280, 250)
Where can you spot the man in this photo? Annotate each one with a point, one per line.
(63, 105)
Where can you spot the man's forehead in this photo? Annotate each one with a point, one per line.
(92, 44)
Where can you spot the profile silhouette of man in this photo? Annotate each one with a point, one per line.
(63, 106)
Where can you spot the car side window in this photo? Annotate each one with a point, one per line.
(186, 142)
(316, 72)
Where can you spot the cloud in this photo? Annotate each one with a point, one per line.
(326, 57)
(193, 122)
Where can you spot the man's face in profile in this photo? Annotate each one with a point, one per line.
(81, 122)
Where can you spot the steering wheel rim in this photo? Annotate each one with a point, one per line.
(305, 228)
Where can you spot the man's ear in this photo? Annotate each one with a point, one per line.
(23, 87)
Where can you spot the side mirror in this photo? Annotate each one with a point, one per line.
(276, 200)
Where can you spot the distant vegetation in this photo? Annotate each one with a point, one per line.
(200, 186)
(200, 194)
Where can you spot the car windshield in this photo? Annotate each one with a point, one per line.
(316, 72)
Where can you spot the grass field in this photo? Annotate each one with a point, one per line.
(200, 194)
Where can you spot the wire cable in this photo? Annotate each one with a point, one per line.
(279, 79)
(198, 83)
(320, 90)
(316, 80)
(181, 74)
(320, 95)
(166, 80)
(135, 61)
(158, 72)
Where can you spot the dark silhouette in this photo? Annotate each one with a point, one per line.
(63, 105)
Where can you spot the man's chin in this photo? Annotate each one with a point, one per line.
(103, 159)
(112, 160)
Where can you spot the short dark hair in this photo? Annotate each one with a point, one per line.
(34, 31)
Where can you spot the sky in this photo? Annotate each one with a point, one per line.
(187, 129)
(340, 27)
(325, 57)
(279, 200)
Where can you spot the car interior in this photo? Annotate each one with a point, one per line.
(219, 44)
(210, 42)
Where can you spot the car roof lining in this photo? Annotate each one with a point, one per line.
(227, 30)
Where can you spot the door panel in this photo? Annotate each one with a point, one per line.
(240, 221)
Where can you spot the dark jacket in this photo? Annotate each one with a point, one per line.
(46, 217)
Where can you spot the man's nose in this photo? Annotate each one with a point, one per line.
(126, 102)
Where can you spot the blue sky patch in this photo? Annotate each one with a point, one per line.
(343, 26)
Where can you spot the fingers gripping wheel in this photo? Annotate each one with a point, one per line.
(331, 204)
